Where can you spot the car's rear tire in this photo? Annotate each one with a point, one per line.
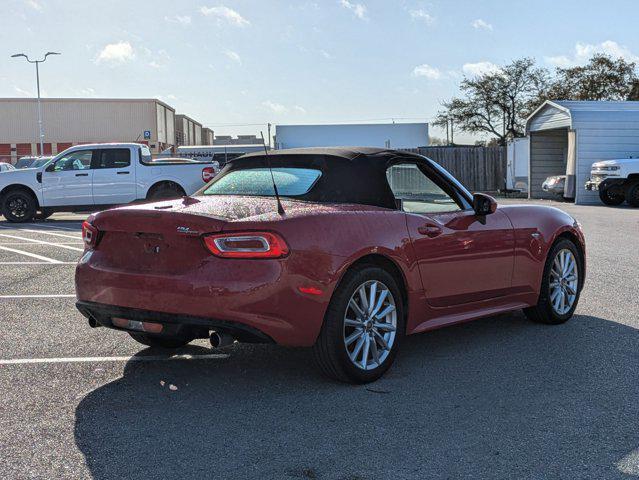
(166, 191)
(157, 341)
(358, 344)
(19, 206)
(611, 197)
(632, 194)
(560, 285)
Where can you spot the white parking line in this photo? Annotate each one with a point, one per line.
(38, 263)
(57, 227)
(3, 297)
(150, 358)
(46, 232)
(79, 242)
(42, 242)
(32, 255)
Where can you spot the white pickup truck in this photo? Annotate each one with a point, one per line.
(616, 180)
(96, 176)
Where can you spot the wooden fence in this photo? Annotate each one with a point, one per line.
(479, 169)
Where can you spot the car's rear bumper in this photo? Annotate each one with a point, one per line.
(262, 297)
(172, 324)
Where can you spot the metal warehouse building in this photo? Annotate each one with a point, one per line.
(70, 121)
(383, 135)
(567, 137)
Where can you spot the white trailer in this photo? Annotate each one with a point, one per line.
(518, 159)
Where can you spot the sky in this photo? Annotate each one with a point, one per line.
(239, 64)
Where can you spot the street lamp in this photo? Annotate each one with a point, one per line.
(37, 62)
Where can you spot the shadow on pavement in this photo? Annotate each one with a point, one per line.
(496, 398)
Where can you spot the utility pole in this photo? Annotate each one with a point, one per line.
(269, 134)
(37, 62)
(452, 138)
(447, 136)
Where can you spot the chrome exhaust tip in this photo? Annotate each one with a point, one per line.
(221, 340)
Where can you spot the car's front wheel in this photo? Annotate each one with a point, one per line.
(18, 206)
(362, 328)
(560, 285)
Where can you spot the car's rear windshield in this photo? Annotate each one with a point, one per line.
(291, 182)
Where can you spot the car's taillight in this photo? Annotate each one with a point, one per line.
(207, 174)
(89, 235)
(246, 245)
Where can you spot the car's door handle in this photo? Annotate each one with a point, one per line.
(430, 230)
(81, 174)
(123, 173)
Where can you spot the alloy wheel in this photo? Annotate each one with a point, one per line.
(564, 276)
(17, 206)
(370, 325)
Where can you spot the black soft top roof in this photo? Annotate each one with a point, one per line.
(349, 174)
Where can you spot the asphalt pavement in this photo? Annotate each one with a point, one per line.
(496, 398)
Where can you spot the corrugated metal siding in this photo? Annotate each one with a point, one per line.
(549, 118)
(547, 157)
(77, 120)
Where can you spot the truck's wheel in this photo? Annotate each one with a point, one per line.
(18, 206)
(166, 191)
(610, 196)
(632, 195)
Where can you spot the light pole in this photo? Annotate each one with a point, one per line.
(37, 62)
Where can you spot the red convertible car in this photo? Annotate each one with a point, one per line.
(358, 248)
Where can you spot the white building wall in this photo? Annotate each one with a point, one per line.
(393, 135)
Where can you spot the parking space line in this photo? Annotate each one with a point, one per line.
(149, 358)
(38, 263)
(33, 255)
(42, 242)
(79, 242)
(46, 232)
(3, 297)
(58, 227)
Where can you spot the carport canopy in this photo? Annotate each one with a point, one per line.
(567, 137)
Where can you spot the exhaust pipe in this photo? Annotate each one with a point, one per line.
(220, 339)
(93, 323)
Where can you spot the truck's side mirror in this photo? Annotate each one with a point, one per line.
(50, 167)
(484, 204)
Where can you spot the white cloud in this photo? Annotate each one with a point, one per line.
(480, 68)
(160, 59)
(299, 109)
(358, 9)
(181, 19)
(22, 92)
(480, 24)
(116, 53)
(87, 92)
(326, 55)
(422, 15)
(34, 4)
(275, 107)
(234, 56)
(225, 14)
(584, 51)
(425, 70)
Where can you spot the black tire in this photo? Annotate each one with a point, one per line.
(166, 191)
(19, 206)
(632, 194)
(157, 341)
(330, 351)
(610, 197)
(544, 312)
(43, 215)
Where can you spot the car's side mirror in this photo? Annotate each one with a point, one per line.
(484, 204)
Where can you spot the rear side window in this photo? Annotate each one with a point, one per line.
(290, 182)
(113, 158)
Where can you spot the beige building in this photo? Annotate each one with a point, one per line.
(187, 131)
(71, 121)
(207, 136)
